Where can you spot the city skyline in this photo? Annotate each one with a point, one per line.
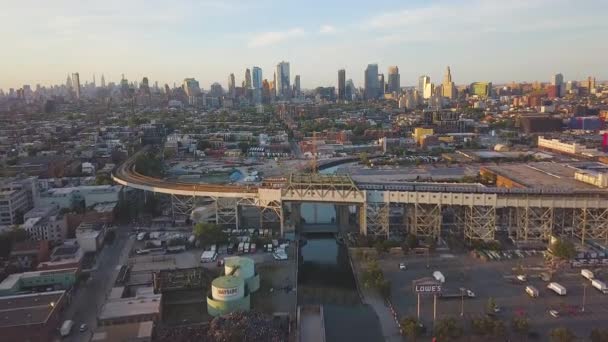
(515, 41)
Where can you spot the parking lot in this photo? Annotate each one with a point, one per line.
(497, 279)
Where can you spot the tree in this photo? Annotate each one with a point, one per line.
(520, 325)
(491, 305)
(599, 335)
(411, 327)
(364, 158)
(103, 179)
(563, 249)
(209, 233)
(447, 329)
(561, 335)
(243, 146)
(203, 145)
(411, 240)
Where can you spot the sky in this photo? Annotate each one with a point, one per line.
(167, 41)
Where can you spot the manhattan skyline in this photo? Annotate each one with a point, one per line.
(480, 40)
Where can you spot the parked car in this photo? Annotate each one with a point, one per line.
(402, 266)
(83, 327)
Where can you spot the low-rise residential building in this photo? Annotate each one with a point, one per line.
(32, 317)
(26, 255)
(145, 306)
(37, 281)
(14, 204)
(53, 227)
(90, 236)
(85, 195)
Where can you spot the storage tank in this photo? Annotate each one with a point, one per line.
(228, 288)
(245, 267)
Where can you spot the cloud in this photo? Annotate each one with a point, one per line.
(465, 20)
(275, 37)
(327, 29)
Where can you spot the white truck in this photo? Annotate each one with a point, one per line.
(587, 274)
(557, 288)
(532, 291)
(600, 285)
(66, 328)
(439, 277)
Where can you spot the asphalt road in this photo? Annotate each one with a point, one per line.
(90, 296)
(493, 279)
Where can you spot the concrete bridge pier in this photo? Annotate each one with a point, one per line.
(342, 217)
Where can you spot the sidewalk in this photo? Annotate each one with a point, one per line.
(390, 330)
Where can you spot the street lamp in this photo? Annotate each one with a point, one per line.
(461, 302)
(584, 296)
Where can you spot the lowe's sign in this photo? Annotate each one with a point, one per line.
(427, 286)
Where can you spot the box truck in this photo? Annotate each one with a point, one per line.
(587, 274)
(557, 288)
(532, 291)
(600, 285)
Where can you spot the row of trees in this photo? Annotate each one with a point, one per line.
(492, 329)
(373, 277)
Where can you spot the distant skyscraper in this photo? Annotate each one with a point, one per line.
(558, 82)
(372, 86)
(68, 82)
(447, 88)
(191, 87)
(349, 90)
(265, 91)
(256, 84)
(247, 79)
(428, 90)
(382, 85)
(256, 78)
(144, 86)
(422, 81)
(296, 86)
(76, 84)
(231, 86)
(103, 81)
(341, 84)
(394, 80)
(282, 81)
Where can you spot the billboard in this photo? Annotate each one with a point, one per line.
(428, 286)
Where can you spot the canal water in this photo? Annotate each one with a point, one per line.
(325, 277)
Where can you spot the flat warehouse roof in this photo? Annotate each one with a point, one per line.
(542, 175)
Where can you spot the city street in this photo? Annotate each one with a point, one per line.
(91, 295)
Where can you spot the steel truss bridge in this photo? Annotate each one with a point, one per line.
(476, 211)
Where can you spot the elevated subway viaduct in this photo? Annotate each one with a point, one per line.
(475, 211)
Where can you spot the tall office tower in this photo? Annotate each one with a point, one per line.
(341, 85)
(76, 84)
(447, 88)
(382, 85)
(103, 81)
(394, 80)
(349, 90)
(422, 82)
(428, 90)
(265, 91)
(144, 86)
(296, 86)
(231, 86)
(191, 87)
(256, 84)
(282, 83)
(256, 78)
(558, 82)
(590, 84)
(68, 82)
(247, 79)
(93, 80)
(372, 86)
